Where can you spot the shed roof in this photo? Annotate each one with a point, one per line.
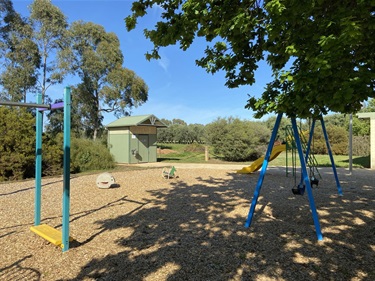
(140, 120)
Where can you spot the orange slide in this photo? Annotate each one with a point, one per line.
(257, 164)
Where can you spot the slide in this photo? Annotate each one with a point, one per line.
(257, 164)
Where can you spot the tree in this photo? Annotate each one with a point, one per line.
(179, 122)
(369, 106)
(124, 90)
(106, 86)
(7, 13)
(270, 122)
(179, 132)
(339, 120)
(49, 27)
(196, 133)
(321, 52)
(20, 55)
(77, 123)
(237, 140)
(361, 127)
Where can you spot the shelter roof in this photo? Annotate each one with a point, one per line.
(140, 120)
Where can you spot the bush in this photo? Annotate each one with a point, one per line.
(17, 149)
(17, 143)
(361, 145)
(338, 139)
(52, 155)
(237, 140)
(89, 155)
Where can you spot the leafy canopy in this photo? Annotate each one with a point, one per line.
(49, 27)
(321, 51)
(19, 55)
(106, 86)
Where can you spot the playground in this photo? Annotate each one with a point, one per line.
(192, 227)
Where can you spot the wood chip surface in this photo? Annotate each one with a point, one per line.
(192, 228)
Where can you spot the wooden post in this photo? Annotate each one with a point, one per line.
(206, 157)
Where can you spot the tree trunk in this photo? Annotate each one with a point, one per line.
(97, 118)
(44, 78)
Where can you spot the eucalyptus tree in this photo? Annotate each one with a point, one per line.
(321, 52)
(55, 124)
(19, 54)
(106, 86)
(6, 14)
(124, 90)
(49, 33)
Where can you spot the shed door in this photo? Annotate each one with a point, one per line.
(143, 148)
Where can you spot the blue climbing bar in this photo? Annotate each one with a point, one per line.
(66, 175)
(38, 163)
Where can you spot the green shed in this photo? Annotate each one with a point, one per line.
(133, 139)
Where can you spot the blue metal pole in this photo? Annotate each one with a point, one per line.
(331, 157)
(66, 174)
(307, 180)
(38, 162)
(308, 146)
(311, 134)
(263, 171)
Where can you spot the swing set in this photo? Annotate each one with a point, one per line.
(310, 159)
(47, 232)
(306, 180)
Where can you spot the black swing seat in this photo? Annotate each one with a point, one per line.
(299, 190)
(314, 181)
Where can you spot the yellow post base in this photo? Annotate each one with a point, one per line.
(49, 233)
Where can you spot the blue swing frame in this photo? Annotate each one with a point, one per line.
(66, 165)
(305, 175)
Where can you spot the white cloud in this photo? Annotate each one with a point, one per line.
(156, 12)
(163, 62)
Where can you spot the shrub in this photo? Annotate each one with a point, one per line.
(17, 149)
(17, 143)
(338, 139)
(52, 155)
(361, 145)
(89, 155)
(237, 140)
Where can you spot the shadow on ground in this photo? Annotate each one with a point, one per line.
(199, 233)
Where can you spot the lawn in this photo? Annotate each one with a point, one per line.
(195, 153)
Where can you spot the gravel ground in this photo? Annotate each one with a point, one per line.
(192, 228)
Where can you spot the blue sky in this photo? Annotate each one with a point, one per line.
(177, 87)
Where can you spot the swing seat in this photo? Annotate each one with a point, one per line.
(49, 233)
(299, 190)
(314, 181)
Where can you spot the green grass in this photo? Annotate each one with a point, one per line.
(193, 153)
(324, 161)
(182, 153)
